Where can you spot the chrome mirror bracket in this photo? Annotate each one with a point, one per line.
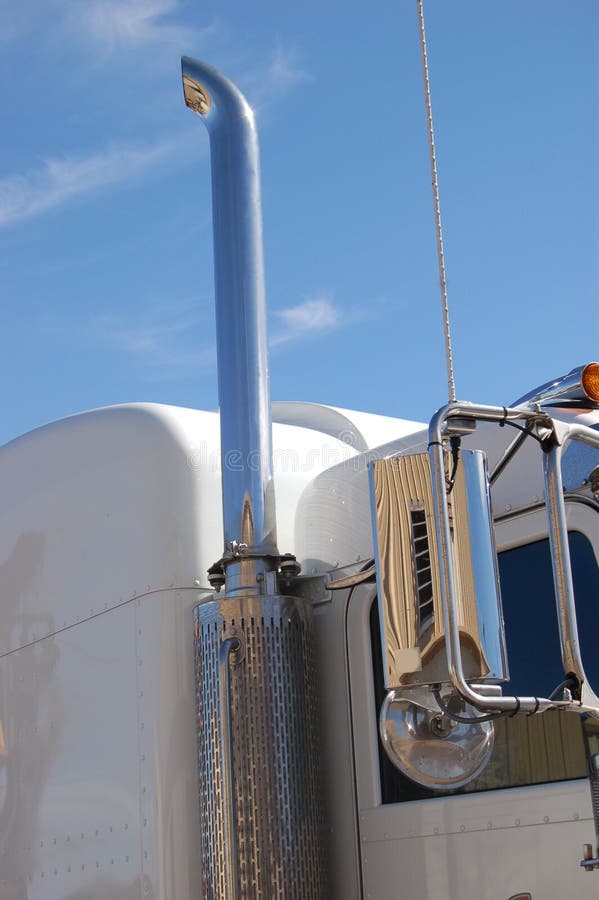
(554, 436)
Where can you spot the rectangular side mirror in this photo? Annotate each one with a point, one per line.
(408, 572)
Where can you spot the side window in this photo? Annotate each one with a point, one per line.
(528, 749)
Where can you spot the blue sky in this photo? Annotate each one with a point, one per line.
(106, 247)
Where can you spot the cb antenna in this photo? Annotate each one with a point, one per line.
(435, 185)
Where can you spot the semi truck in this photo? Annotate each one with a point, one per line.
(286, 650)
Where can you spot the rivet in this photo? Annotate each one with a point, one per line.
(545, 818)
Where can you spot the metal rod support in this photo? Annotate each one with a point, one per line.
(560, 556)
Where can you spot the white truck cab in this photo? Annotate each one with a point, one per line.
(293, 651)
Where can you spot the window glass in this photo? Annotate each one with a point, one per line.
(528, 749)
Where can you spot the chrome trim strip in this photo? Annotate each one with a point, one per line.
(228, 646)
(560, 553)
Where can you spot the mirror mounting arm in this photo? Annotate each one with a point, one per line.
(553, 437)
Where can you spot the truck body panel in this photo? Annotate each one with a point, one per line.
(109, 523)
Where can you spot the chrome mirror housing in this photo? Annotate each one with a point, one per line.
(443, 642)
(408, 556)
(426, 729)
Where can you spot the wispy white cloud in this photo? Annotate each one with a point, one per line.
(59, 180)
(282, 73)
(118, 24)
(311, 317)
(146, 335)
(284, 70)
(110, 25)
(162, 339)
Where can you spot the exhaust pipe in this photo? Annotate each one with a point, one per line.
(243, 388)
(261, 823)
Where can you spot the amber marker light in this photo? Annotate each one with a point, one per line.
(590, 381)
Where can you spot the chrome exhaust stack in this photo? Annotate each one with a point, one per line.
(243, 389)
(261, 825)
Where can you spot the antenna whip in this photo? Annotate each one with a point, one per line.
(435, 184)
